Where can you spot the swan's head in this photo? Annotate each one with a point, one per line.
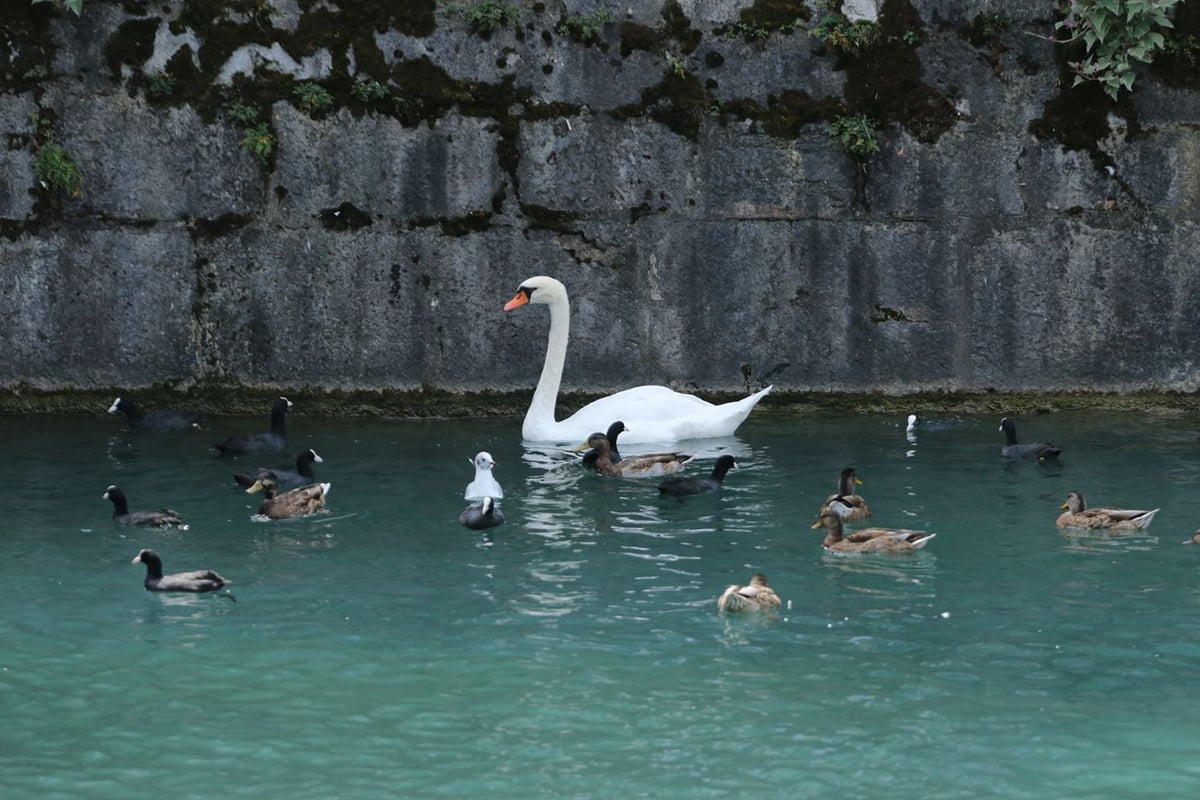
(483, 460)
(539, 289)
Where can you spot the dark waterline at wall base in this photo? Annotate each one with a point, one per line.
(410, 404)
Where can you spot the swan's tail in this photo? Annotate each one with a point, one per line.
(740, 409)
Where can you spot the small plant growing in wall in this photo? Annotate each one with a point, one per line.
(857, 135)
(369, 90)
(70, 5)
(240, 114)
(54, 167)
(993, 24)
(588, 27)
(488, 16)
(312, 98)
(747, 32)
(1115, 34)
(675, 65)
(840, 33)
(160, 85)
(257, 138)
(260, 142)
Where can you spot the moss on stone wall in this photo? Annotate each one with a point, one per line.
(227, 399)
(27, 45)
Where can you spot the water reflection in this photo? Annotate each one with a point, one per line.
(894, 582)
(1102, 540)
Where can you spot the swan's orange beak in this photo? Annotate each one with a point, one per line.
(519, 299)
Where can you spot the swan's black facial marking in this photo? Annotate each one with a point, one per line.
(527, 291)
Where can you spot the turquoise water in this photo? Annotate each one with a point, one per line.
(384, 651)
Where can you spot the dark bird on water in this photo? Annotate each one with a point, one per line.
(274, 440)
(485, 515)
(283, 477)
(164, 419)
(201, 580)
(123, 516)
(678, 486)
(1039, 450)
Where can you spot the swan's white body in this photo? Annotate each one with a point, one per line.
(653, 414)
(485, 484)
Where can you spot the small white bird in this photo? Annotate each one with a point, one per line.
(484, 484)
(912, 423)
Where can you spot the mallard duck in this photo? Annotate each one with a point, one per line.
(274, 440)
(614, 457)
(850, 506)
(295, 503)
(1039, 450)
(869, 540)
(756, 596)
(485, 484)
(1076, 514)
(654, 413)
(485, 515)
(678, 486)
(123, 516)
(165, 419)
(201, 580)
(282, 477)
(654, 465)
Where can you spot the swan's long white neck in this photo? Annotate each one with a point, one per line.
(545, 396)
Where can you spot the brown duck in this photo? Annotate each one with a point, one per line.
(756, 596)
(295, 503)
(1076, 514)
(646, 466)
(870, 540)
(850, 506)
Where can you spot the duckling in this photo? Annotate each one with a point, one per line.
(485, 515)
(1039, 450)
(648, 466)
(201, 580)
(274, 440)
(850, 506)
(1076, 514)
(164, 419)
(870, 540)
(614, 430)
(484, 485)
(757, 596)
(296, 503)
(122, 515)
(678, 486)
(282, 477)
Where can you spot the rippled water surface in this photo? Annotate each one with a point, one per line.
(384, 651)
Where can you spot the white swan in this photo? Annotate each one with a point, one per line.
(653, 413)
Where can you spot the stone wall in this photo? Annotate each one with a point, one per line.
(676, 171)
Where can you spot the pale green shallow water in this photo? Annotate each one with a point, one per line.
(384, 651)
